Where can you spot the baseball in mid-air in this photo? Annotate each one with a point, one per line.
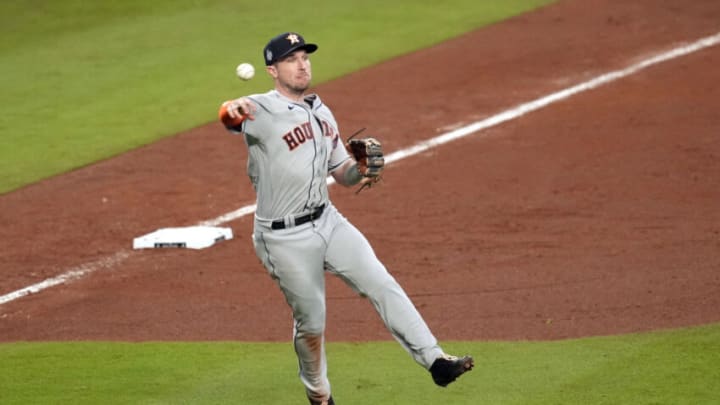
(245, 71)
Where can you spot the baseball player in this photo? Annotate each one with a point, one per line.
(293, 144)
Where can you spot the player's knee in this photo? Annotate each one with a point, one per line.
(310, 329)
(310, 325)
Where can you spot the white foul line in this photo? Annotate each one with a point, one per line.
(70, 275)
(507, 115)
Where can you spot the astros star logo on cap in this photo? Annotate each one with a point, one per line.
(293, 38)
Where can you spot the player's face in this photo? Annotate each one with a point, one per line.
(293, 72)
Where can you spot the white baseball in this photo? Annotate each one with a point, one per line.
(245, 71)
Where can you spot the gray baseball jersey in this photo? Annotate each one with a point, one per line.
(294, 146)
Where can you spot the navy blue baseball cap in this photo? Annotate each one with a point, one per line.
(285, 44)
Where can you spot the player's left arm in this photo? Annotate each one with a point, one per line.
(363, 162)
(341, 166)
(347, 174)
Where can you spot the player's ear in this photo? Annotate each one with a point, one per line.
(272, 71)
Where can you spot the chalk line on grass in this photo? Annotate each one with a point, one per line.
(507, 115)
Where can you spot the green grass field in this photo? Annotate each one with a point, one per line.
(674, 367)
(83, 81)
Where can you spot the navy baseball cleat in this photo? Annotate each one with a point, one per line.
(447, 369)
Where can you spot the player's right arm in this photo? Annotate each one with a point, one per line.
(233, 112)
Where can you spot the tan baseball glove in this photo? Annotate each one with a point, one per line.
(369, 157)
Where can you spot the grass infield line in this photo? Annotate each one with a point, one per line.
(507, 115)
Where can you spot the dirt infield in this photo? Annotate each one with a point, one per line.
(596, 215)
